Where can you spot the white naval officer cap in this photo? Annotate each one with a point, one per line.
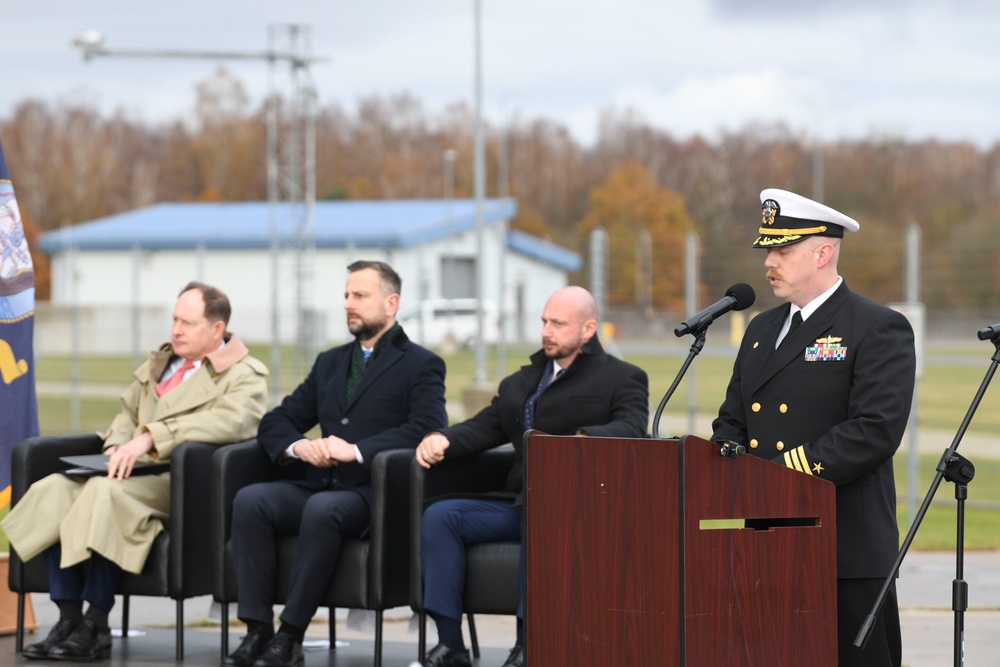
(788, 218)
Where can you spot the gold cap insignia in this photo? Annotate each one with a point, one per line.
(768, 210)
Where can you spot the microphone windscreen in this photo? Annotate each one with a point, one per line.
(744, 295)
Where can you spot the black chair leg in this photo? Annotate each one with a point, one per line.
(378, 638)
(473, 637)
(180, 630)
(422, 636)
(224, 608)
(333, 628)
(125, 600)
(19, 636)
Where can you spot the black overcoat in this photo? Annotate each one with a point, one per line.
(598, 395)
(398, 400)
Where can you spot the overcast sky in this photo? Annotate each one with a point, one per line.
(915, 69)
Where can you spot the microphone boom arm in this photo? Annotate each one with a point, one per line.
(696, 348)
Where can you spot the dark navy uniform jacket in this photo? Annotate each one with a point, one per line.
(832, 401)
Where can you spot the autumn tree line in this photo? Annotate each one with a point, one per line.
(646, 188)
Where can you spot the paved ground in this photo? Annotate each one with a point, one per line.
(924, 595)
(926, 614)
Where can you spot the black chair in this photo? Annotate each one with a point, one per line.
(491, 575)
(372, 572)
(176, 567)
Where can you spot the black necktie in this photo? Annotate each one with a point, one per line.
(796, 321)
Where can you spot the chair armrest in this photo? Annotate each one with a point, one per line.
(31, 460)
(233, 467)
(190, 519)
(389, 534)
(484, 472)
(35, 458)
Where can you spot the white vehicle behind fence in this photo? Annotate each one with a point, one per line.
(436, 322)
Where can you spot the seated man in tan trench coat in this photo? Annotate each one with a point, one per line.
(202, 386)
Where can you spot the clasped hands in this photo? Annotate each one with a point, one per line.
(325, 452)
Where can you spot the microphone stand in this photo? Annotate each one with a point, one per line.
(959, 470)
(696, 347)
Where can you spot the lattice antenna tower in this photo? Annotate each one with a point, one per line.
(292, 180)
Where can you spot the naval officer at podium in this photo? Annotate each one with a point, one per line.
(823, 384)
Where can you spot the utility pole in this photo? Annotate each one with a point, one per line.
(479, 185)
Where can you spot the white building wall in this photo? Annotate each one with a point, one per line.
(529, 286)
(128, 296)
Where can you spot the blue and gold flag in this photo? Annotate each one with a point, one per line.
(18, 404)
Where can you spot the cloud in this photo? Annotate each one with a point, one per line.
(921, 67)
(729, 102)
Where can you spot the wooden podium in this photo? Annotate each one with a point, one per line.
(666, 553)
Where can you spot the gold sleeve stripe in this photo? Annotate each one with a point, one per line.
(791, 462)
(800, 454)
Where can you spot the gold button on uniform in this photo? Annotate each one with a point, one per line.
(755, 345)
(755, 407)
(780, 445)
(783, 408)
(753, 444)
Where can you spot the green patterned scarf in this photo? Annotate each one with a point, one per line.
(358, 365)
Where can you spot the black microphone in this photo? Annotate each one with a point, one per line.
(738, 297)
(989, 332)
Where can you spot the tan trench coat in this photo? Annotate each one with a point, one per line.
(221, 402)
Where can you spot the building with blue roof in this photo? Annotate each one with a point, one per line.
(137, 261)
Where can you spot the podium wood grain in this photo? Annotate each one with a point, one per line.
(620, 570)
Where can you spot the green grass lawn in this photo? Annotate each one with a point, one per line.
(54, 414)
(944, 395)
(937, 531)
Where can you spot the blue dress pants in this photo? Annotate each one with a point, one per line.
(447, 527)
(267, 511)
(97, 586)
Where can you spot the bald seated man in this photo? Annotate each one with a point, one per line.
(570, 387)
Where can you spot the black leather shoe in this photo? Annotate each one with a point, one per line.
(442, 656)
(250, 649)
(86, 642)
(281, 651)
(516, 658)
(60, 631)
